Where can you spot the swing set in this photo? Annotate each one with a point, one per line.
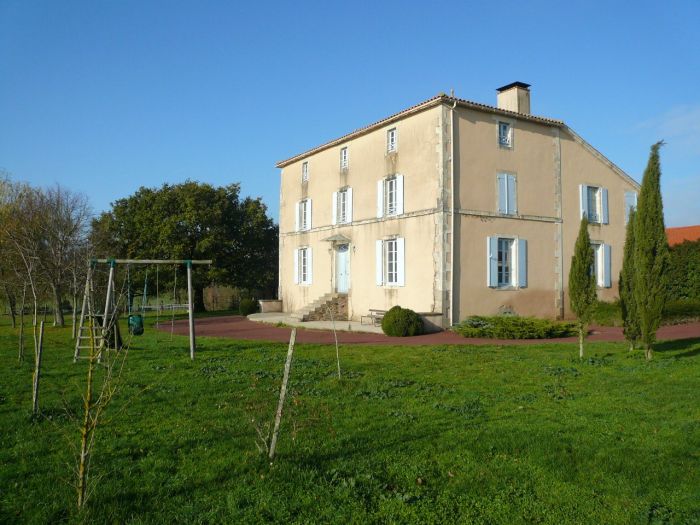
(103, 328)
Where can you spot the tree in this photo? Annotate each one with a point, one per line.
(582, 284)
(194, 220)
(650, 253)
(628, 306)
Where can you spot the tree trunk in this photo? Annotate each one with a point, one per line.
(198, 299)
(58, 310)
(20, 358)
(581, 328)
(631, 346)
(87, 427)
(37, 371)
(12, 304)
(648, 352)
(75, 311)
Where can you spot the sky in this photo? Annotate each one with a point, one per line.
(104, 96)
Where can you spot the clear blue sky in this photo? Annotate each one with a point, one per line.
(106, 96)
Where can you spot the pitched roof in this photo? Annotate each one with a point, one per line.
(426, 104)
(682, 233)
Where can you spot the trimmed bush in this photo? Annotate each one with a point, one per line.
(681, 311)
(247, 306)
(402, 322)
(511, 327)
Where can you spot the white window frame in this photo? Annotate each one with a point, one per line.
(392, 140)
(305, 171)
(344, 158)
(390, 196)
(630, 203)
(518, 278)
(391, 262)
(303, 215)
(601, 214)
(601, 264)
(505, 140)
(342, 206)
(507, 193)
(303, 266)
(510, 251)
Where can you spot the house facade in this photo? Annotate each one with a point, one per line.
(450, 208)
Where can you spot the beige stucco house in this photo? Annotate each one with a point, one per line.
(450, 208)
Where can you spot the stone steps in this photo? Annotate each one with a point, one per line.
(318, 309)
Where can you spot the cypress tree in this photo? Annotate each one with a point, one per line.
(628, 306)
(650, 253)
(582, 283)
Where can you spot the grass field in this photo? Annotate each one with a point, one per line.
(525, 434)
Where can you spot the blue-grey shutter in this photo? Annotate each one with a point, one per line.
(492, 261)
(309, 265)
(522, 263)
(583, 197)
(502, 193)
(607, 263)
(604, 204)
(401, 262)
(512, 195)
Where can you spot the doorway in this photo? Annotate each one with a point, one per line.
(342, 268)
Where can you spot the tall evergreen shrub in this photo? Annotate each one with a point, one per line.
(582, 285)
(650, 253)
(628, 306)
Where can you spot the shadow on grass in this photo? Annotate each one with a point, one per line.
(680, 344)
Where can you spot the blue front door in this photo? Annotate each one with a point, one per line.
(342, 269)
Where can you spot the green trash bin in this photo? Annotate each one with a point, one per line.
(136, 324)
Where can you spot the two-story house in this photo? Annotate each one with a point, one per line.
(453, 208)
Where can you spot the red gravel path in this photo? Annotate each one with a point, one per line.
(237, 327)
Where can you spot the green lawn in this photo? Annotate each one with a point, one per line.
(465, 434)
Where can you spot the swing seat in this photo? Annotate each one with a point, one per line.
(136, 324)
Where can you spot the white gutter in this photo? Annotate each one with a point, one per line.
(452, 213)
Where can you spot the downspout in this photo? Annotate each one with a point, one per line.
(452, 211)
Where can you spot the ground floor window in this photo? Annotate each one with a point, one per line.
(601, 267)
(506, 265)
(390, 263)
(303, 265)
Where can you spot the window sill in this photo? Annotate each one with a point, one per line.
(509, 288)
(505, 146)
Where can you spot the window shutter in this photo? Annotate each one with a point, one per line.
(604, 204)
(349, 205)
(296, 216)
(380, 198)
(309, 265)
(607, 262)
(512, 195)
(492, 261)
(583, 194)
(379, 261)
(296, 265)
(401, 262)
(334, 208)
(522, 263)
(399, 194)
(308, 224)
(502, 193)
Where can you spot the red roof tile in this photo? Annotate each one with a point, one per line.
(683, 233)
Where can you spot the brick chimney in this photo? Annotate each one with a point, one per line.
(514, 97)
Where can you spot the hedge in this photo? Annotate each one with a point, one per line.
(512, 327)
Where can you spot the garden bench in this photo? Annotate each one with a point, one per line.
(374, 317)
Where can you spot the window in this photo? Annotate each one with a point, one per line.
(303, 265)
(303, 215)
(304, 172)
(601, 266)
(505, 135)
(594, 203)
(507, 194)
(342, 206)
(391, 140)
(390, 262)
(506, 265)
(630, 202)
(390, 196)
(344, 158)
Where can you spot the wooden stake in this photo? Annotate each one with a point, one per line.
(37, 370)
(283, 393)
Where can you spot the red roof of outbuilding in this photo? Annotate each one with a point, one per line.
(683, 233)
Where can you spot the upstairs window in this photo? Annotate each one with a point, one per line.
(391, 140)
(341, 206)
(507, 194)
(303, 215)
(344, 158)
(594, 203)
(303, 265)
(304, 172)
(390, 196)
(630, 203)
(505, 135)
(506, 262)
